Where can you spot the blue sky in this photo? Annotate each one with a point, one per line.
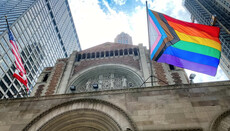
(99, 21)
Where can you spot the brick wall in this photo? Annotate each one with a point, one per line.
(160, 73)
(124, 60)
(56, 75)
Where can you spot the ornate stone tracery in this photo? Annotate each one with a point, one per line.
(106, 77)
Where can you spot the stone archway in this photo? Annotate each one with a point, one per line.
(81, 120)
(222, 122)
(82, 114)
(107, 77)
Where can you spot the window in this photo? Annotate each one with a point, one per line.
(1, 94)
(97, 54)
(3, 85)
(130, 51)
(83, 56)
(10, 74)
(171, 67)
(102, 54)
(93, 55)
(107, 53)
(79, 57)
(135, 51)
(10, 94)
(126, 52)
(88, 56)
(14, 89)
(3, 64)
(111, 53)
(116, 52)
(121, 52)
(1, 50)
(7, 60)
(5, 45)
(45, 78)
(1, 73)
(7, 80)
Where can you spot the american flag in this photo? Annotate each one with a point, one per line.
(20, 72)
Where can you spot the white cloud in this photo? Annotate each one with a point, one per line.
(120, 2)
(94, 26)
(220, 76)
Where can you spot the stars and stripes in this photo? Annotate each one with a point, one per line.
(20, 72)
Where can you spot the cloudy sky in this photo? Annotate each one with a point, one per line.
(99, 21)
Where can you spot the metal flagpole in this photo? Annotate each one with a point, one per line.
(8, 27)
(150, 61)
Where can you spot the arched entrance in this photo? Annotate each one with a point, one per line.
(222, 122)
(82, 114)
(81, 120)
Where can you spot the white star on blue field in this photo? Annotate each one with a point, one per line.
(100, 21)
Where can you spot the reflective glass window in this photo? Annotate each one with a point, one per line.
(4, 66)
(4, 87)
(7, 80)
(5, 45)
(7, 60)
(9, 94)
(1, 50)
(14, 89)
(1, 73)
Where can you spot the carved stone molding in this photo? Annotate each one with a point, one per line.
(222, 122)
(112, 111)
(107, 77)
(81, 118)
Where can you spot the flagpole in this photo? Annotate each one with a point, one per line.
(8, 27)
(150, 61)
(7, 22)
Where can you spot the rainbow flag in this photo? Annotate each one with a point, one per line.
(187, 45)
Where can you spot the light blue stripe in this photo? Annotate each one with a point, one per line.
(161, 30)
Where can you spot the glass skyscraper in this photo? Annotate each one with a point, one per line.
(203, 11)
(44, 31)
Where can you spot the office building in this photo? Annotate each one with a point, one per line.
(123, 38)
(44, 31)
(216, 13)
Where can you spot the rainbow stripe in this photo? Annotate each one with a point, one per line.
(183, 44)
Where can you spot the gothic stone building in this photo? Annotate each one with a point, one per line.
(107, 88)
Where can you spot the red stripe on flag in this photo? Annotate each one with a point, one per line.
(211, 30)
(20, 73)
(20, 78)
(19, 63)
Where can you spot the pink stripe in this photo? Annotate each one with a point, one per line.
(159, 35)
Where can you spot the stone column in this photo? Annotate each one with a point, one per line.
(65, 78)
(144, 64)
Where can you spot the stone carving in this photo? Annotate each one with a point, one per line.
(88, 84)
(124, 82)
(106, 82)
(100, 82)
(112, 81)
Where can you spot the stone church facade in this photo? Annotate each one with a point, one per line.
(106, 67)
(107, 88)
